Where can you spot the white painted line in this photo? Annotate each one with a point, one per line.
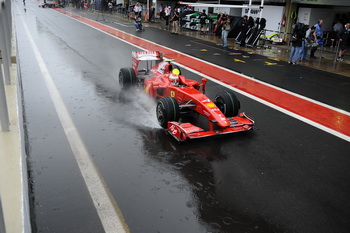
(294, 115)
(124, 25)
(107, 209)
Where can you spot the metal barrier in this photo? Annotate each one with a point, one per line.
(5, 52)
(2, 222)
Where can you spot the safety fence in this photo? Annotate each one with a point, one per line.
(5, 59)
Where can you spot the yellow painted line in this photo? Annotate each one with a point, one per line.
(204, 50)
(237, 60)
(270, 63)
(275, 59)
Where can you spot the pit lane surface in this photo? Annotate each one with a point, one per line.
(286, 176)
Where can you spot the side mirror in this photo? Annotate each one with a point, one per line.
(204, 82)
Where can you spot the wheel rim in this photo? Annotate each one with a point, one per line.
(160, 114)
(221, 105)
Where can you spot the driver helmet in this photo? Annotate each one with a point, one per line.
(174, 79)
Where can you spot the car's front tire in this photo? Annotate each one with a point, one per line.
(228, 103)
(167, 110)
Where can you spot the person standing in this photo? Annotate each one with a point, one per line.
(297, 42)
(308, 41)
(137, 10)
(226, 28)
(151, 13)
(244, 28)
(110, 7)
(161, 11)
(167, 16)
(175, 22)
(337, 27)
(202, 18)
(318, 37)
(344, 37)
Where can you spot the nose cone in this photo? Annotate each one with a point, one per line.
(223, 122)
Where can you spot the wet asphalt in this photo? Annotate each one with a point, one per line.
(286, 176)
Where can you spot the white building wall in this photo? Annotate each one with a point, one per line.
(201, 8)
(235, 12)
(326, 14)
(310, 16)
(222, 10)
(304, 15)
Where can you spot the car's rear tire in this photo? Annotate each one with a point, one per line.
(127, 78)
(228, 103)
(167, 110)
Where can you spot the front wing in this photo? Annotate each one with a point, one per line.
(184, 131)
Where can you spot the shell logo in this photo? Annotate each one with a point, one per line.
(210, 105)
(172, 93)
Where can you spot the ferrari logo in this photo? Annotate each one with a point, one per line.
(172, 93)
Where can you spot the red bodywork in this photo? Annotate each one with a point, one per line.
(188, 94)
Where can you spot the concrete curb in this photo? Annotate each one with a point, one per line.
(13, 159)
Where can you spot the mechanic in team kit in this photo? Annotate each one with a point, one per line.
(319, 36)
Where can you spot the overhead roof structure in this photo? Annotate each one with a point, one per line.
(249, 6)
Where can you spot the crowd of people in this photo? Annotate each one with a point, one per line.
(169, 15)
(305, 38)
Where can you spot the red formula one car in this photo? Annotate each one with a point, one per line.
(179, 98)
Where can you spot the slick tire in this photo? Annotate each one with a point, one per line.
(228, 103)
(167, 110)
(127, 78)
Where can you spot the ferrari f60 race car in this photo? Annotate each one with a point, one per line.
(178, 97)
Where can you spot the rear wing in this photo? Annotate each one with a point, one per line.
(148, 56)
(145, 56)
